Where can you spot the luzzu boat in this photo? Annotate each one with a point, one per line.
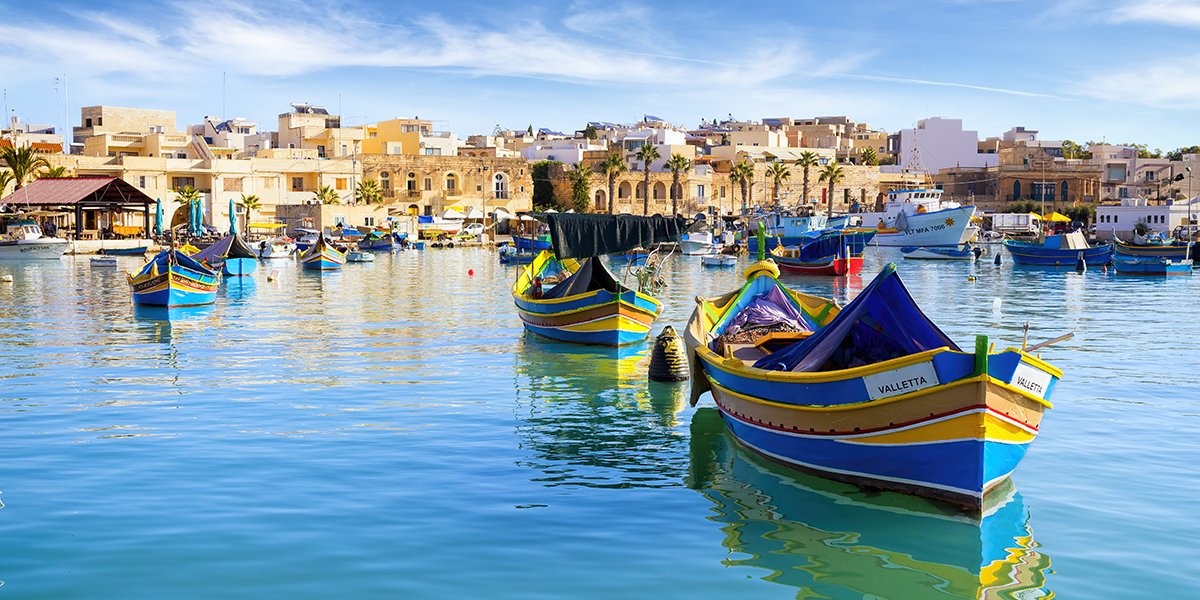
(1151, 265)
(323, 255)
(837, 252)
(872, 393)
(1059, 250)
(231, 255)
(172, 279)
(1170, 249)
(586, 304)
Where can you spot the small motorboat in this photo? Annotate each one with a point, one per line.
(965, 252)
(138, 251)
(1060, 250)
(23, 239)
(715, 259)
(359, 256)
(698, 243)
(1151, 265)
(104, 261)
(275, 248)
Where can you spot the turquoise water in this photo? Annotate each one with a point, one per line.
(390, 431)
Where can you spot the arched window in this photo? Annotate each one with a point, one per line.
(624, 190)
(412, 182)
(1017, 190)
(1065, 189)
(500, 186)
(660, 191)
(600, 204)
(385, 181)
(451, 183)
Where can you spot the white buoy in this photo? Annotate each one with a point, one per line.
(996, 302)
(6, 278)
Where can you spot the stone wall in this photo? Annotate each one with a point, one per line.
(439, 182)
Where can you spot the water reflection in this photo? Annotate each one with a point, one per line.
(586, 416)
(835, 541)
(238, 290)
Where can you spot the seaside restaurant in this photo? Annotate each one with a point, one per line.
(101, 207)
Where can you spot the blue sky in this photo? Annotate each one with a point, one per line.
(1079, 69)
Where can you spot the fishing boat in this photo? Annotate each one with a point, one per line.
(832, 252)
(23, 239)
(698, 243)
(633, 257)
(377, 242)
(135, 251)
(1170, 249)
(275, 248)
(359, 256)
(531, 243)
(1059, 250)
(788, 229)
(307, 238)
(872, 393)
(585, 303)
(231, 255)
(323, 255)
(920, 217)
(173, 278)
(510, 255)
(966, 252)
(716, 259)
(104, 261)
(1151, 265)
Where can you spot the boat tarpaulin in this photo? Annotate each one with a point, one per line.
(769, 308)
(583, 236)
(882, 323)
(590, 276)
(230, 246)
(164, 258)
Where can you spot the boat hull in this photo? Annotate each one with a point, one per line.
(528, 244)
(322, 257)
(177, 287)
(44, 249)
(922, 253)
(831, 266)
(718, 260)
(1174, 252)
(1151, 266)
(239, 267)
(139, 251)
(599, 317)
(1032, 254)
(691, 248)
(948, 227)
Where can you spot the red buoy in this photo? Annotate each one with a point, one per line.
(471, 272)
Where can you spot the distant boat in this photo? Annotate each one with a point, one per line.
(787, 229)
(138, 251)
(832, 252)
(275, 248)
(359, 256)
(872, 393)
(1151, 265)
(23, 239)
(323, 256)
(697, 243)
(920, 217)
(531, 243)
(173, 278)
(103, 261)
(1059, 250)
(377, 242)
(231, 255)
(940, 253)
(1172, 249)
(716, 259)
(633, 257)
(510, 255)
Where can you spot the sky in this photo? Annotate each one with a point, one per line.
(1103, 70)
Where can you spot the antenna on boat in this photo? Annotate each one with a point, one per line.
(1025, 339)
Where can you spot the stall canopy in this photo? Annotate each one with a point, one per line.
(1056, 217)
(80, 193)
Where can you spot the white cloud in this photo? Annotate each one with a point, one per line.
(1169, 86)
(981, 88)
(1182, 13)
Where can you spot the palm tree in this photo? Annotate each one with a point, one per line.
(678, 163)
(647, 154)
(24, 162)
(59, 172)
(187, 195)
(250, 202)
(612, 166)
(778, 172)
(6, 177)
(808, 159)
(368, 192)
(742, 174)
(833, 174)
(868, 156)
(326, 195)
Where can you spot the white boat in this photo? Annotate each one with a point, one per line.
(967, 253)
(919, 217)
(274, 248)
(696, 244)
(23, 240)
(104, 261)
(715, 259)
(360, 256)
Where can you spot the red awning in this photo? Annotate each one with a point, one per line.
(89, 191)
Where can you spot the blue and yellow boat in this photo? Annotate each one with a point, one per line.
(172, 279)
(872, 393)
(231, 255)
(586, 305)
(1170, 249)
(1059, 250)
(323, 255)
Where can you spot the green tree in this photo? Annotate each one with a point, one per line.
(1177, 154)
(1144, 151)
(678, 163)
(1025, 206)
(808, 159)
(589, 132)
(543, 188)
(647, 154)
(24, 163)
(1084, 213)
(327, 195)
(832, 175)
(368, 192)
(59, 172)
(250, 202)
(613, 166)
(530, 129)
(1072, 150)
(869, 157)
(6, 177)
(742, 174)
(581, 179)
(187, 195)
(778, 172)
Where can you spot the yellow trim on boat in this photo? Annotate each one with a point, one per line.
(737, 367)
(962, 426)
(1037, 362)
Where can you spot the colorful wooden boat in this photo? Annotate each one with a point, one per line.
(836, 252)
(532, 244)
(1151, 265)
(231, 255)
(173, 278)
(323, 256)
(1059, 250)
(588, 306)
(377, 242)
(1174, 250)
(966, 252)
(872, 393)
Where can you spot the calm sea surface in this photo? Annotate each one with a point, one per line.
(391, 431)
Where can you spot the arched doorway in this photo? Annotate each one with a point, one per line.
(601, 206)
(1017, 190)
(624, 190)
(660, 191)
(414, 210)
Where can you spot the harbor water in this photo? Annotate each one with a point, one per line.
(391, 431)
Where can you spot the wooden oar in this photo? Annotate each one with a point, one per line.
(1061, 338)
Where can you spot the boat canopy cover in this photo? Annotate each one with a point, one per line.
(230, 246)
(590, 276)
(1067, 241)
(882, 323)
(181, 259)
(586, 235)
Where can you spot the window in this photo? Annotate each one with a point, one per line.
(233, 184)
(178, 183)
(412, 182)
(320, 151)
(297, 184)
(369, 221)
(1116, 218)
(451, 182)
(385, 180)
(428, 184)
(722, 191)
(433, 152)
(99, 121)
(142, 181)
(87, 122)
(339, 183)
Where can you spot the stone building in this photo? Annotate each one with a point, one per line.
(1024, 173)
(428, 185)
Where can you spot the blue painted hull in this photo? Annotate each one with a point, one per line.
(1177, 251)
(1126, 265)
(534, 245)
(1032, 254)
(383, 245)
(236, 267)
